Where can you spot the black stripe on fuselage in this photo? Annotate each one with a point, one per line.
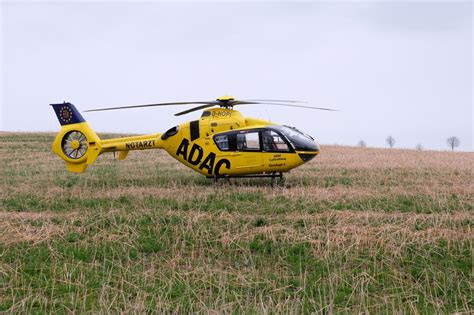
(194, 129)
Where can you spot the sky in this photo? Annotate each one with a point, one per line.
(391, 68)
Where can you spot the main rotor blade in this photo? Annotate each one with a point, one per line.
(287, 105)
(236, 102)
(212, 103)
(216, 103)
(275, 101)
(195, 109)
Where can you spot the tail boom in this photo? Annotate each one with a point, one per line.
(79, 146)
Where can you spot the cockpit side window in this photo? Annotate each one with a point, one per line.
(273, 142)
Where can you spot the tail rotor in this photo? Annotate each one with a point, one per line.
(74, 144)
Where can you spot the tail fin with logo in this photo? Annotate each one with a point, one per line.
(79, 146)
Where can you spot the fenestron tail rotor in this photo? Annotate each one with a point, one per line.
(223, 101)
(74, 144)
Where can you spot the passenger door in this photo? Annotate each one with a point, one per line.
(243, 149)
(276, 151)
(248, 148)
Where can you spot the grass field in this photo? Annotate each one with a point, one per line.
(355, 230)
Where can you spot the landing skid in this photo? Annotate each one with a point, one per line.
(273, 176)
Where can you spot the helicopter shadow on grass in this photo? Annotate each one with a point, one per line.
(249, 182)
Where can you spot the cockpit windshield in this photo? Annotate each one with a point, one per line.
(300, 140)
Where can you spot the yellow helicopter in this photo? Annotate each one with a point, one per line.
(221, 144)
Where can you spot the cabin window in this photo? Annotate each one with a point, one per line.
(273, 142)
(265, 140)
(239, 141)
(222, 142)
(248, 141)
(226, 142)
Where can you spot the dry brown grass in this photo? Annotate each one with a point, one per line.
(362, 158)
(31, 227)
(355, 230)
(371, 172)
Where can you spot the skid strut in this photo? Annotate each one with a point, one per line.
(273, 176)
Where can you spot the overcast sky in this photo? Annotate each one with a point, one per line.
(392, 68)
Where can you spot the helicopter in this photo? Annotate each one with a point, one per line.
(222, 143)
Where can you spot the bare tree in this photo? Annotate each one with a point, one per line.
(361, 144)
(419, 147)
(453, 142)
(390, 141)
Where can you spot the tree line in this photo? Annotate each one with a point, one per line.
(452, 142)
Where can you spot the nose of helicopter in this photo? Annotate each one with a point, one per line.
(308, 155)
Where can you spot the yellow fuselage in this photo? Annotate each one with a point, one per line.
(193, 144)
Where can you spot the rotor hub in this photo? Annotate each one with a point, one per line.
(225, 98)
(75, 144)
